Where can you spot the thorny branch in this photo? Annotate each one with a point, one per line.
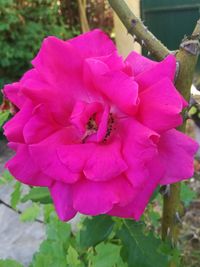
(138, 30)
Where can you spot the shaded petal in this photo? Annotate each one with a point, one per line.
(94, 198)
(139, 63)
(139, 147)
(164, 69)
(23, 167)
(13, 129)
(160, 106)
(62, 197)
(176, 151)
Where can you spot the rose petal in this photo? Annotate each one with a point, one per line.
(52, 58)
(23, 167)
(118, 87)
(160, 106)
(40, 125)
(13, 129)
(92, 198)
(45, 155)
(164, 69)
(141, 195)
(139, 64)
(93, 44)
(106, 162)
(14, 94)
(74, 157)
(139, 147)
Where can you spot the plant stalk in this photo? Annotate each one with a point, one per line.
(83, 17)
(138, 30)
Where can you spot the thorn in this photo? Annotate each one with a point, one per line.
(142, 42)
(177, 70)
(168, 231)
(178, 218)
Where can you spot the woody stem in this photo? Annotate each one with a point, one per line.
(137, 29)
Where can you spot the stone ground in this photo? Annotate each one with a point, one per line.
(19, 240)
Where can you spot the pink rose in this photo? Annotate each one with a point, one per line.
(97, 131)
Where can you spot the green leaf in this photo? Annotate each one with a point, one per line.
(6, 178)
(193, 111)
(187, 195)
(53, 250)
(139, 249)
(173, 252)
(51, 254)
(107, 255)
(72, 257)
(38, 194)
(58, 231)
(10, 263)
(95, 230)
(31, 213)
(48, 210)
(16, 195)
(4, 116)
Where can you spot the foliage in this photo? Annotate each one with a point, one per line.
(38, 194)
(23, 26)
(3, 117)
(187, 195)
(9, 263)
(95, 230)
(138, 249)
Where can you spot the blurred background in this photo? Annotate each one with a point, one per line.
(23, 26)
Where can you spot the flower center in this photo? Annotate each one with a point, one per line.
(92, 125)
(109, 127)
(98, 131)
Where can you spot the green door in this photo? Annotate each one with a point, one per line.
(170, 20)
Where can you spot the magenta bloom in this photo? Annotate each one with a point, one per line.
(97, 131)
